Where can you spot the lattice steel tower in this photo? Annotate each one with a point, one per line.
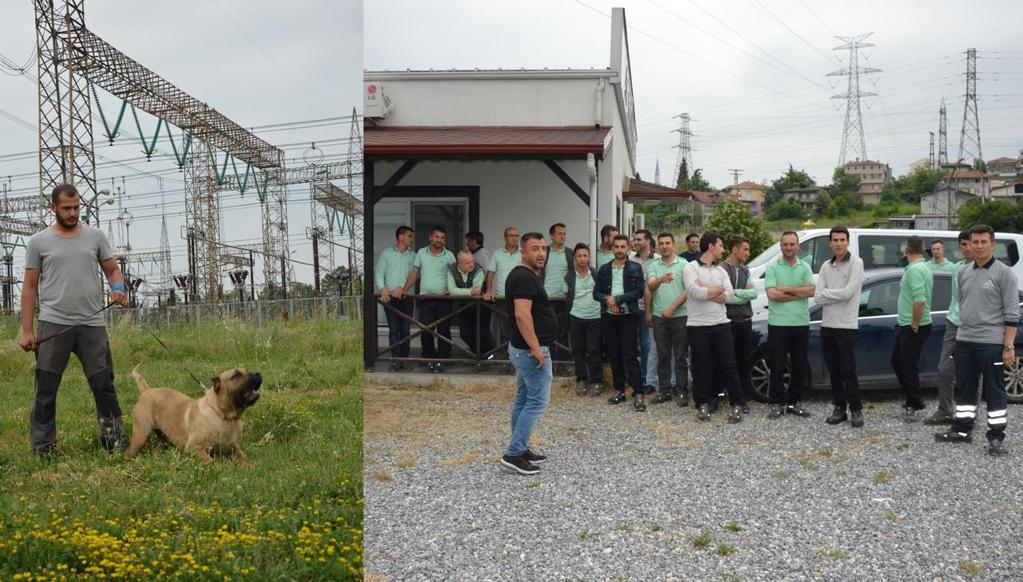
(684, 147)
(942, 135)
(853, 142)
(969, 136)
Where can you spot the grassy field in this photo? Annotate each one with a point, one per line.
(296, 514)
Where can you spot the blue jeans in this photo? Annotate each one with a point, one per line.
(973, 360)
(531, 397)
(398, 328)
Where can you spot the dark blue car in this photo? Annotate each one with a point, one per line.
(878, 309)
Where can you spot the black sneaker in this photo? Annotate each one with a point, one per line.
(395, 367)
(533, 457)
(703, 412)
(856, 418)
(735, 415)
(683, 399)
(837, 416)
(910, 414)
(797, 410)
(617, 398)
(427, 365)
(46, 452)
(953, 437)
(111, 435)
(580, 387)
(661, 398)
(777, 410)
(744, 407)
(520, 465)
(996, 448)
(596, 388)
(639, 402)
(438, 368)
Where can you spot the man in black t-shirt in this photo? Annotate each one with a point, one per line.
(534, 330)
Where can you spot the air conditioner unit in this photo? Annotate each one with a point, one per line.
(375, 103)
(638, 222)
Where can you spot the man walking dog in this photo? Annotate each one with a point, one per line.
(61, 271)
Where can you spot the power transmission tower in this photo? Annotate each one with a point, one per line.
(853, 142)
(355, 256)
(684, 161)
(735, 176)
(969, 137)
(943, 135)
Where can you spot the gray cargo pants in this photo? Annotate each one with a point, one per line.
(91, 346)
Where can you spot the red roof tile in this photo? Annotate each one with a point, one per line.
(633, 187)
(484, 141)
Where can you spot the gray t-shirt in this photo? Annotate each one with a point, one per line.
(68, 275)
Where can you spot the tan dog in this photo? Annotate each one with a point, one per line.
(212, 422)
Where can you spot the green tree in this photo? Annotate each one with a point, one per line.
(696, 182)
(998, 214)
(792, 178)
(299, 290)
(733, 217)
(910, 187)
(786, 208)
(845, 197)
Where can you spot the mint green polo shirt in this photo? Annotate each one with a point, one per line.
(584, 306)
(781, 274)
(917, 285)
(953, 306)
(477, 281)
(667, 293)
(946, 266)
(433, 270)
(501, 264)
(554, 273)
(393, 267)
(604, 257)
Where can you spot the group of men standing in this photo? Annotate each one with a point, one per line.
(649, 316)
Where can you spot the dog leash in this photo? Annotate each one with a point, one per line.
(202, 387)
(65, 330)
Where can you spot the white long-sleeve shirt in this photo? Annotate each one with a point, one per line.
(838, 290)
(698, 278)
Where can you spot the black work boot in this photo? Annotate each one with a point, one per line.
(111, 435)
(580, 387)
(639, 402)
(617, 398)
(837, 416)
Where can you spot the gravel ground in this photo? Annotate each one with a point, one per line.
(633, 496)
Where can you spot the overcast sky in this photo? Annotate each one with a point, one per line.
(751, 73)
(258, 62)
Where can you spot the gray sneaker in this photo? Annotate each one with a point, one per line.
(736, 414)
(580, 387)
(777, 410)
(938, 419)
(596, 388)
(703, 412)
(910, 414)
(111, 435)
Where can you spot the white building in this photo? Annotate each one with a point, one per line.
(483, 150)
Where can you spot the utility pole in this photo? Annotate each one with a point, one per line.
(930, 155)
(684, 161)
(735, 176)
(316, 261)
(969, 136)
(853, 142)
(943, 135)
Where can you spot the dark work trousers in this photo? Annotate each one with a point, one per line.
(742, 342)
(430, 310)
(973, 359)
(906, 362)
(839, 347)
(584, 335)
(620, 337)
(398, 328)
(467, 328)
(713, 363)
(788, 343)
(561, 314)
(671, 340)
(91, 346)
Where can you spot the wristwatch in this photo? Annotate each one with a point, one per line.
(1008, 348)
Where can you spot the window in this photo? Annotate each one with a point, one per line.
(815, 251)
(881, 299)
(942, 293)
(879, 251)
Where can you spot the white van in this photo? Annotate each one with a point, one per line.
(879, 248)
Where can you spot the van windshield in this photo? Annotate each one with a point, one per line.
(772, 252)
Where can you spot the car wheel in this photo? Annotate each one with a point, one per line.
(1014, 381)
(760, 377)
